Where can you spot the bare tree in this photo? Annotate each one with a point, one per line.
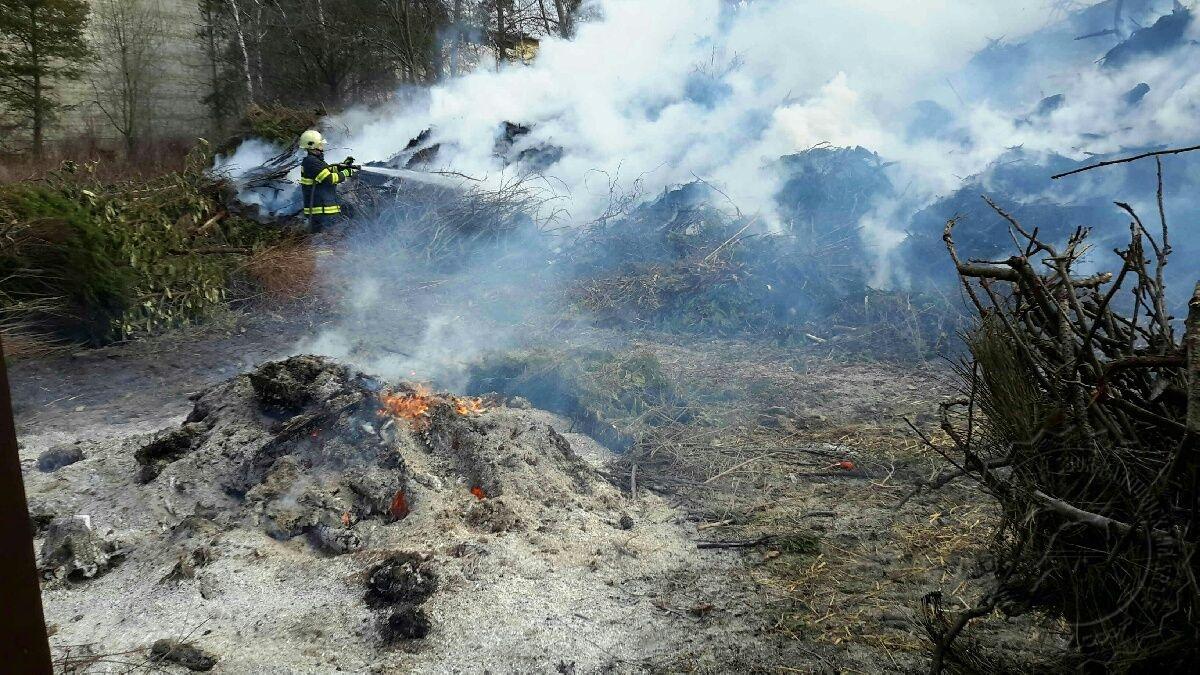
(501, 33)
(410, 33)
(318, 53)
(129, 38)
(239, 35)
(456, 38)
(566, 10)
(208, 33)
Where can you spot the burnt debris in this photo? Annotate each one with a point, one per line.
(182, 653)
(73, 552)
(398, 587)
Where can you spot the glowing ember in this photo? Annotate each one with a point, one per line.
(479, 493)
(399, 508)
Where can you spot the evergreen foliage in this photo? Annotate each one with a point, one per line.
(41, 44)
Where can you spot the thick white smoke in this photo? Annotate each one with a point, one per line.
(663, 92)
(666, 91)
(243, 165)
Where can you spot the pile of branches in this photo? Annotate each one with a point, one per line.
(273, 123)
(681, 263)
(87, 260)
(444, 227)
(1081, 415)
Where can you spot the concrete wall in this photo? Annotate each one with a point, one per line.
(177, 99)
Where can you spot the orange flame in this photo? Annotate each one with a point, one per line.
(414, 407)
(468, 406)
(411, 407)
(479, 493)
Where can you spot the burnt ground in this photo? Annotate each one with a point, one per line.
(835, 585)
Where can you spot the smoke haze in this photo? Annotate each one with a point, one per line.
(651, 95)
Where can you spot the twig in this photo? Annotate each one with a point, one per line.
(735, 468)
(717, 250)
(212, 250)
(984, 608)
(1160, 153)
(1096, 520)
(748, 543)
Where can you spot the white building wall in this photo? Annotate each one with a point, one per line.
(177, 99)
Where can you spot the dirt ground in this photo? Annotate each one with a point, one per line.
(805, 454)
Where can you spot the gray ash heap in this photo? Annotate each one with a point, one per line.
(310, 447)
(340, 518)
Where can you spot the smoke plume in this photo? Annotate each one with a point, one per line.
(653, 95)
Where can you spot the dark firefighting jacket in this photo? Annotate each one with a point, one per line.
(318, 184)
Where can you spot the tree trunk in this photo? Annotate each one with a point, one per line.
(456, 43)
(131, 99)
(1192, 345)
(564, 18)
(35, 57)
(499, 33)
(211, 53)
(259, 33)
(410, 45)
(241, 41)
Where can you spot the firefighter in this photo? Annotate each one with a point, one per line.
(319, 180)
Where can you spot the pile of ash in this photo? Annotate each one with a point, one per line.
(341, 520)
(309, 447)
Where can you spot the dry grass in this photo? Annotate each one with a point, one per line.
(875, 562)
(21, 344)
(21, 339)
(111, 165)
(846, 568)
(286, 272)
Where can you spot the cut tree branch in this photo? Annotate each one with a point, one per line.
(1160, 153)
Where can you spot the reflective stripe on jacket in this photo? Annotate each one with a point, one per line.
(318, 184)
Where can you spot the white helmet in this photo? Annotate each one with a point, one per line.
(312, 140)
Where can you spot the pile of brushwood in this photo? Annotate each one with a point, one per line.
(276, 124)
(687, 261)
(444, 227)
(1080, 414)
(84, 260)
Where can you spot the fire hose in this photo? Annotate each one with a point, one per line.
(408, 174)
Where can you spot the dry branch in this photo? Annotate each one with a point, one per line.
(1193, 364)
(1096, 401)
(1147, 155)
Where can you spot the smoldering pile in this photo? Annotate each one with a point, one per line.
(309, 447)
(341, 518)
(330, 461)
